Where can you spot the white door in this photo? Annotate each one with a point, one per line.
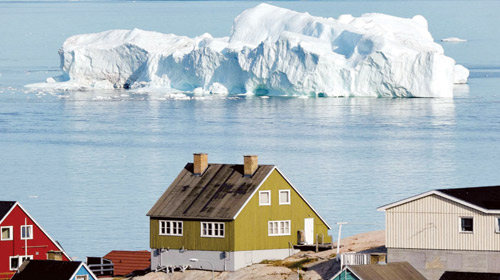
(309, 230)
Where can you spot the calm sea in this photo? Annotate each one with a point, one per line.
(89, 165)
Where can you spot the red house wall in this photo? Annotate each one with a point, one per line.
(37, 247)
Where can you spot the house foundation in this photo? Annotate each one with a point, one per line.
(220, 260)
(433, 263)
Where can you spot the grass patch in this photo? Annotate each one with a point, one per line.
(291, 265)
(273, 262)
(300, 263)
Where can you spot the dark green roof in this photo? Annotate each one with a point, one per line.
(456, 275)
(218, 194)
(484, 197)
(5, 208)
(46, 269)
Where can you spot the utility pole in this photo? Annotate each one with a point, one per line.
(340, 231)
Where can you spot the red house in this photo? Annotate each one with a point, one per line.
(21, 238)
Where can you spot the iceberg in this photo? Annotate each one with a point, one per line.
(270, 51)
(453, 39)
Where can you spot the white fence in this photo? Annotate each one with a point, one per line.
(353, 259)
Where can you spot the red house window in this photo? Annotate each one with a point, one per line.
(27, 232)
(6, 233)
(17, 261)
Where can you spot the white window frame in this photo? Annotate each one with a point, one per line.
(497, 224)
(31, 232)
(460, 224)
(289, 199)
(11, 233)
(11, 268)
(215, 232)
(265, 204)
(179, 226)
(82, 277)
(19, 261)
(277, 229)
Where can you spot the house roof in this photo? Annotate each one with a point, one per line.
(5, 207)
(218, 194)
(456, 275)
(390, 271)
(125, 262)
(484, 199)
(47, 269)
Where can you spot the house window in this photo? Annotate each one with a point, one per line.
(466, 224)
(264, 197)
(16, 261)
(27, 232)
(23, 258)
(211, 229)
(284, 197)
(6, 233)
(171, 228)
(82, 277)
(276, 228)
(497, 226)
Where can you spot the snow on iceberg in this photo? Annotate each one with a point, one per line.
(271, 51)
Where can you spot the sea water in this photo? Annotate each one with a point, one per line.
(89, 165)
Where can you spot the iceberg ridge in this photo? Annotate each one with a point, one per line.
(271, 51)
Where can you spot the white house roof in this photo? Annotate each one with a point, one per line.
(484, 199)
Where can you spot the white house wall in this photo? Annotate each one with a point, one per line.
(432, 222)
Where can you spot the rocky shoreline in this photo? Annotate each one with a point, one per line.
(310, 265)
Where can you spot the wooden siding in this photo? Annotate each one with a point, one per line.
(84, 271)
(433, 222)
(251, 225)
(191, 239)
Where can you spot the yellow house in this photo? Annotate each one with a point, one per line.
(228, 216)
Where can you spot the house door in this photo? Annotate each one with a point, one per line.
(309, 230)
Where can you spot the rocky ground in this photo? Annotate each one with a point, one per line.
(322, 265)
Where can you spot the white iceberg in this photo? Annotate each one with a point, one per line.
(271, 51)
(461, 74)
(453, 39)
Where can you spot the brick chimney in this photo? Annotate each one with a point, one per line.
(54, 255)
(250, 164)
(200, 163)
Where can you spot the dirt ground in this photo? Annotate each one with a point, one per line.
(324, 266)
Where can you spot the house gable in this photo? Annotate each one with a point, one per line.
(389, 271)
(251, 225)
(345, 274)
(38, 245)
(84, 270)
